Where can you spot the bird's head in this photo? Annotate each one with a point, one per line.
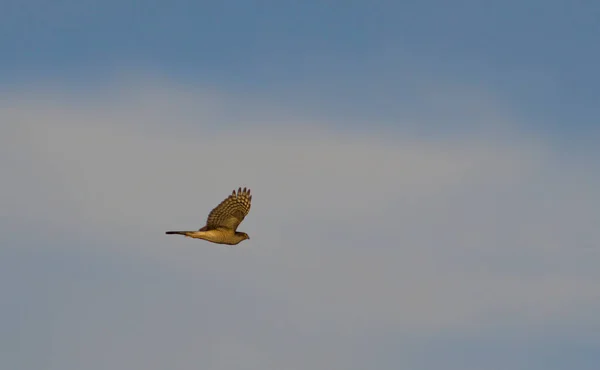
(243, 235)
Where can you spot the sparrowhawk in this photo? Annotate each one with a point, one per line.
(224, 219)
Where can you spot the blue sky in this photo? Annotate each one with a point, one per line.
(425, 178)
(540, 56)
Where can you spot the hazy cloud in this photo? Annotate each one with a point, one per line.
(354, 235)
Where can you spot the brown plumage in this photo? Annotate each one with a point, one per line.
(224, 219)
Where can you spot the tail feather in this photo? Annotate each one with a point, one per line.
(177, 232)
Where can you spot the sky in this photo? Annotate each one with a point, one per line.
(425, 184)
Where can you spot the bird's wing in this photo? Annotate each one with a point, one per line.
(230, 212)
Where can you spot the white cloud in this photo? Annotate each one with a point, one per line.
(351, 232)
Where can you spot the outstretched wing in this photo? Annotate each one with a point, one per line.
(230, 212)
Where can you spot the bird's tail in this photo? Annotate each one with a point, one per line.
(178, 232)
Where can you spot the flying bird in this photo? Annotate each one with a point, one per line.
(224, 219)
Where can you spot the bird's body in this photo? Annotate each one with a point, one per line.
(223, 220)
(219, 236)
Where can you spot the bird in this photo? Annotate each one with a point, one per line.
(223, 221)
